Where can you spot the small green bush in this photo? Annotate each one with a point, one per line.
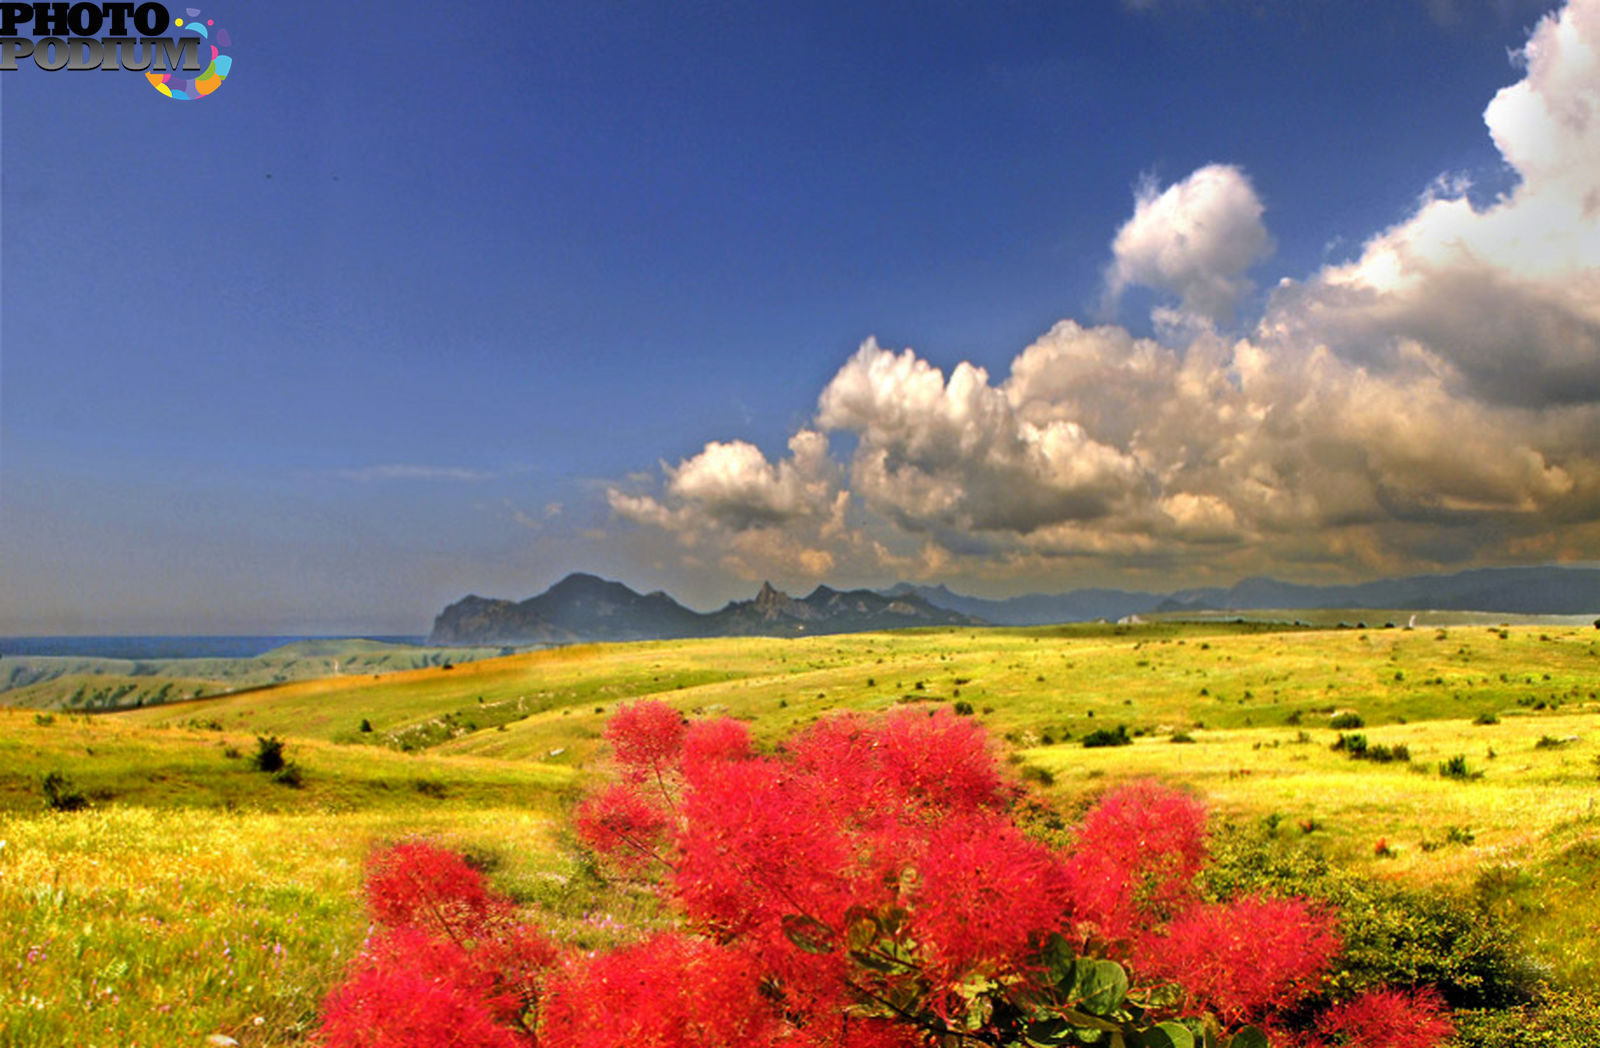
(1556, 1019)
(1346, 721)
(1399, 752)
(1486, 718)
(1034, 773)
(1456, 768)
(61, 795)
(1354, 745)
(1101, 737)
(269, 754)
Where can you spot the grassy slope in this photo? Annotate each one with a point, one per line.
(196, 895)
(115, 762)
(1535, 838)
(71, 682)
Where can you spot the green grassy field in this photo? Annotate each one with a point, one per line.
(184, 846)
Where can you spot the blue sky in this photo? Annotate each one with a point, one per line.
(428, 300)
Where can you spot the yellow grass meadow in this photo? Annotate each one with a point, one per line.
(196, 897)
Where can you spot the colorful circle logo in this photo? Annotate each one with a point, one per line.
(210, 36)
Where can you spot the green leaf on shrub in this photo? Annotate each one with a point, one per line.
(1048, 1032)
(1249, 1037)
(1164, 1035)
(1101, 986)
(861, 933)
(808, 933)
(1058, 956)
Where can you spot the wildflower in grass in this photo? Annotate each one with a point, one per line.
(1388, 1019)
(1243, 959)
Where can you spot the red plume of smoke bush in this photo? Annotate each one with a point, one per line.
(866, 885)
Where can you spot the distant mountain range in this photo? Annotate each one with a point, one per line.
(586, 608)
(1037, 609)
(1513, 591)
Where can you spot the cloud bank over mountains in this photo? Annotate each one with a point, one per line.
(1434, 402)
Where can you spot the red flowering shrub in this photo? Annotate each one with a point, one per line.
(1388, 1019)
(983, 892)
(1135, 858)
(866, 886)
(623, 826)
(397, 1007)
(670, 991)
(707, 742)
(416, 884)
(646, 737)
(449, 965)
(1245, 958)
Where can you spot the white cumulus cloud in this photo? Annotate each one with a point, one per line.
(1432, 403)
(1195, 238)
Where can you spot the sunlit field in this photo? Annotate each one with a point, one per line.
(194, 895)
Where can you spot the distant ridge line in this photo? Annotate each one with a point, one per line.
(584, 607)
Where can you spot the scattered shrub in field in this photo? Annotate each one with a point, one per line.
(1181, 736)
(269, 753)
(289, 775)
(1485, 718)
(1388, 754)
(1034, 773)
(867, 885)
(61, 795)
(962, 708)
(1354, 745)
(1551, 742)
(1393, 934)
(1557, 1019)
(1456, 768)
(1357, 748)
(366, 726)
(1345, 721)
(1100, 737)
